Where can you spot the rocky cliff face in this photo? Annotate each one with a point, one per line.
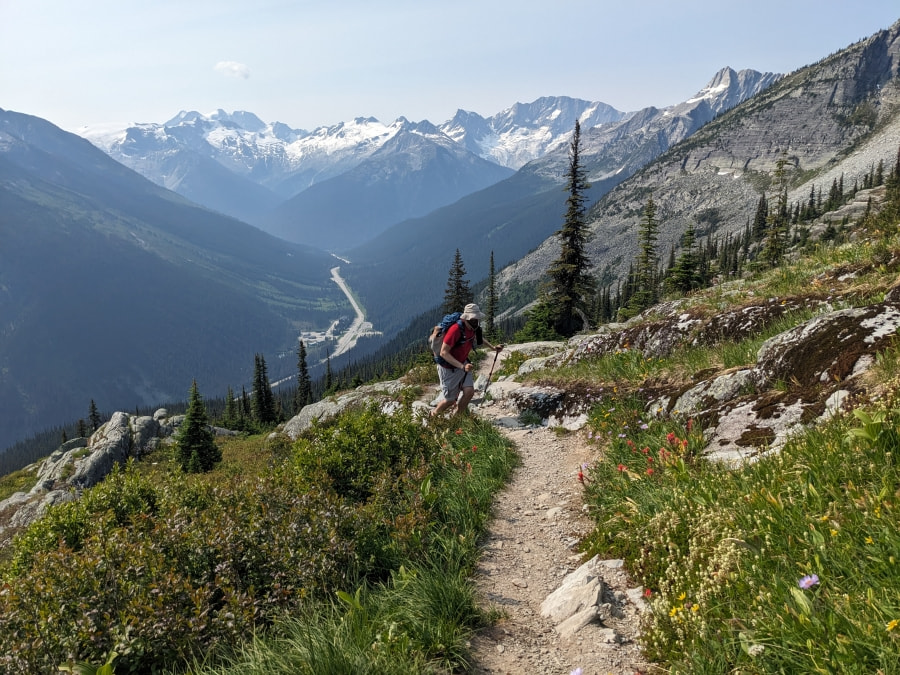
(839, 116)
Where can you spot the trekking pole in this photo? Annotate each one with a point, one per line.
(488, 384)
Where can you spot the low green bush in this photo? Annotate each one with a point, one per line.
(183, 569)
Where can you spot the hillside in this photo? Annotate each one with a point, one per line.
(115, 290)
(840, 116)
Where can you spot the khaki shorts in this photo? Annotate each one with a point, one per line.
(454, 381)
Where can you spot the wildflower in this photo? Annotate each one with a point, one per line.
(647, 592)
(756, 650)
(621, 467)
(834, 532)
(682, 596)
(580, 476)
(577, 671)
(645, 426)
(621, 435)
(892, 624)
(695, 607)
(474, 448)
(458, 432)
(671, 437)
(869, 540)
(808, 581)
(649, 472)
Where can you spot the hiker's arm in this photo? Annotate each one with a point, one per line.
(496, 348)
(449, 358)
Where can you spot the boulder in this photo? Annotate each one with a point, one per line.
(383, 393)
(827, 348)
(111, 444)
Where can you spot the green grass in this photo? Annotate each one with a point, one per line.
(724, 552)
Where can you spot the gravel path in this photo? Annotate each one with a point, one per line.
(530, 546)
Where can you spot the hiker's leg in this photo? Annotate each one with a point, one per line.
(450, 385)
(468, 391)
(463, 403)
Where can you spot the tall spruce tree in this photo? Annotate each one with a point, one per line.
(571, 285)
(94, 417)
(684, 274)
(196, 449)
(645, 294)
(778, 222)
(490, 328)
(303, 397)
(262, 403)
(457, 294)
(231, 414)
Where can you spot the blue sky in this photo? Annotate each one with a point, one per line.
(309, 64)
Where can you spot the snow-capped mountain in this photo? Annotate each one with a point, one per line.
(526, 131)
(417, 170)
(612, 152)
(239, 165)
(272, 155)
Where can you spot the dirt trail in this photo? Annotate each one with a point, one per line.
(531, 545)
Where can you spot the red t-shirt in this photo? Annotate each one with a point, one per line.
(461, 351)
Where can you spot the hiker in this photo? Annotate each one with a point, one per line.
(454, 368)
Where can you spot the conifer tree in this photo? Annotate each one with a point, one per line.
(457, 294)
(644, 294)
(82, 429)
(230, 414)
(196, 449)
(490, 329)
(329, 376)
(262, 404)
(571, 285)
(685, 273)
(777, 226)
(94, 417)
(303, 397)
(759, 218)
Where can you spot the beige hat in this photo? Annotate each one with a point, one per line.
(472, 311)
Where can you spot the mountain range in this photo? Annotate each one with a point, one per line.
(513, 216)
(267, 173)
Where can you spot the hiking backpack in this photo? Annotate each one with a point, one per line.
(436, 337)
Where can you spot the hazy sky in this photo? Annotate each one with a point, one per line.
(309, 64)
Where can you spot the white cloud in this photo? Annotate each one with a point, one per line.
(233, 69)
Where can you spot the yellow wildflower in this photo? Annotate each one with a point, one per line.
(892, 624)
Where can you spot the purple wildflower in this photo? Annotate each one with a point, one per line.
(808, 581)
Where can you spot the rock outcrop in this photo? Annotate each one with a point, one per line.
(81, 463)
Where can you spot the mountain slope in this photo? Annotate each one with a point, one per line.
(416, 171)
(516, 215)
(116, 290)
(837, 116)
